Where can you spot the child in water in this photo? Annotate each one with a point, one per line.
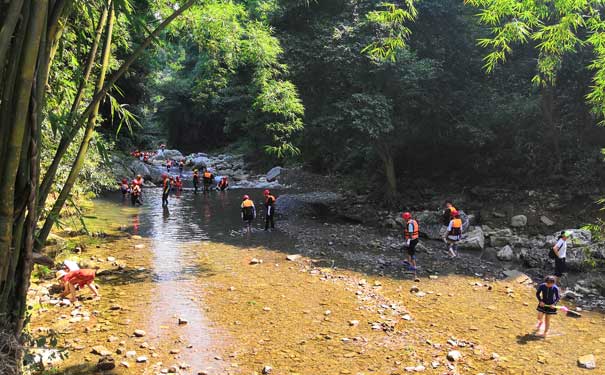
(548, 295)
(79, 278)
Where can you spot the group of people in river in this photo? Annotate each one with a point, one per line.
(548, 293)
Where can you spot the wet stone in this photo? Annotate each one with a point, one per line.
(139, 333)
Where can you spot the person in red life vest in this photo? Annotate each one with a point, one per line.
(124, 188)
(136, 190)
(223, 184)
(138, 180)
(410, 235)
(248, 212)
(196, 179)
(208, 178)
(269, 209)
(146, 157)
(181, 166)
(77, 278)
(178, 183)
(165, 189)
(454, 233)
(168, 165)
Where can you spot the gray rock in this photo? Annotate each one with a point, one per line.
(516, 276)
(100, 350)
(274, 173)
(546, 221)
(106, 363)
(506, 253)
(454, 355)
(474, 239)
(267, 370)
(139, 167)
(518, 221)
(199, 162)
(169, 154)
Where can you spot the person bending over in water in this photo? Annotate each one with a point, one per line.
(78, 278)
(548, 296)
(248, 212)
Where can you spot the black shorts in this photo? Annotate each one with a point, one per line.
(547, 310)
(560, 266)
(411, 250)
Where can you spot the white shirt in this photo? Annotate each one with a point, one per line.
(562, 247)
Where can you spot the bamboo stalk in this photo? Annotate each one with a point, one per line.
(8, 28)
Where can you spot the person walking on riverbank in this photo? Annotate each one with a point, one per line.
(166, 185)
(548, 295)
(196, 179)
(410, 235)
(78, 278)
(248, 212)
(560, 252)
(208, 178)
(454, 233)
(269, 210)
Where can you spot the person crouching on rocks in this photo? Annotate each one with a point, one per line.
(248, 212)
(454, 233)
(548, 295)
(78, 278)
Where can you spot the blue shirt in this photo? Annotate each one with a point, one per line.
(550, 296)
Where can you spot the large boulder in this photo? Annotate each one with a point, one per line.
(155, 173)
(579, 238)
(199, 162)
(169, 154)
(119, 168)
(500, 237)
(138, 167)
(473, 239)
(274, 173)
(518, 221)
(429, 223)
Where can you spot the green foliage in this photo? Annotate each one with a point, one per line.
(391, 23)
(557, 28)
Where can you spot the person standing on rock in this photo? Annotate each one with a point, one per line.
(410, 235)
(454, 233)
(208, 178)
(196, 179)
(560, 250)
(248, 212)
(165, 189)
(548, 295)
(269, 209)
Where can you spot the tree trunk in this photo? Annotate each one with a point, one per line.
(386, 155)
(9, 22)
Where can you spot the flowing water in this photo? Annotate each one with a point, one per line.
(191, 261)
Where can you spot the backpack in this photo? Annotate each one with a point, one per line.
(551, 253)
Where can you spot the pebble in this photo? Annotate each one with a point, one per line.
(293, 257)
(111, 259)
(587, 361)
(174, 351)
(125, 364)
(183, 321)
(141, 359)
(255, 261)
(139, 333)
(327, 312)
(266, 308)
(267, 370)
(131, 354)
(353, 323)
(454, 355)
(115, 307)
(139, 246)
(100, 350)
(414, 289)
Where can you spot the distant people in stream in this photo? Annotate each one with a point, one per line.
(411, 233)
(559, 253)
(248, 212)
(166, 186)
(168, 165)
(136, 191)
(124, 188)
(208, 178)
(178, 184)
(269, 210)
(196, 179)
(181, 167)
(77, 278)
(454, 233)
(548, 296)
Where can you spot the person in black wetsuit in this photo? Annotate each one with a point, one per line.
(166, 185)
(548, 295)
(269, 209)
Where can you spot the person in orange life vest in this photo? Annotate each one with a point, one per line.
(79, 278)
(196, 179)
(178, 183)
(410, 235)
(138, 180)
(269, 209)
(165, 189)
(208, 178)
(248, 212)
(223, 184)
(454, 233)
(124, 188)
(181, 166)
(136, 190)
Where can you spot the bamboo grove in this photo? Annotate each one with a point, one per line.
(31, 40)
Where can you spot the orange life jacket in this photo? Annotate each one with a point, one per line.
(456, 227)
(207, 175)
(406, 232)
(269, 200)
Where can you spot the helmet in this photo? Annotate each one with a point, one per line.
(195, 169)
(246, 197)
(406, 216)
(164, 175)
(266, 192)
(455, 213)
(567, 233)
(124, 181)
